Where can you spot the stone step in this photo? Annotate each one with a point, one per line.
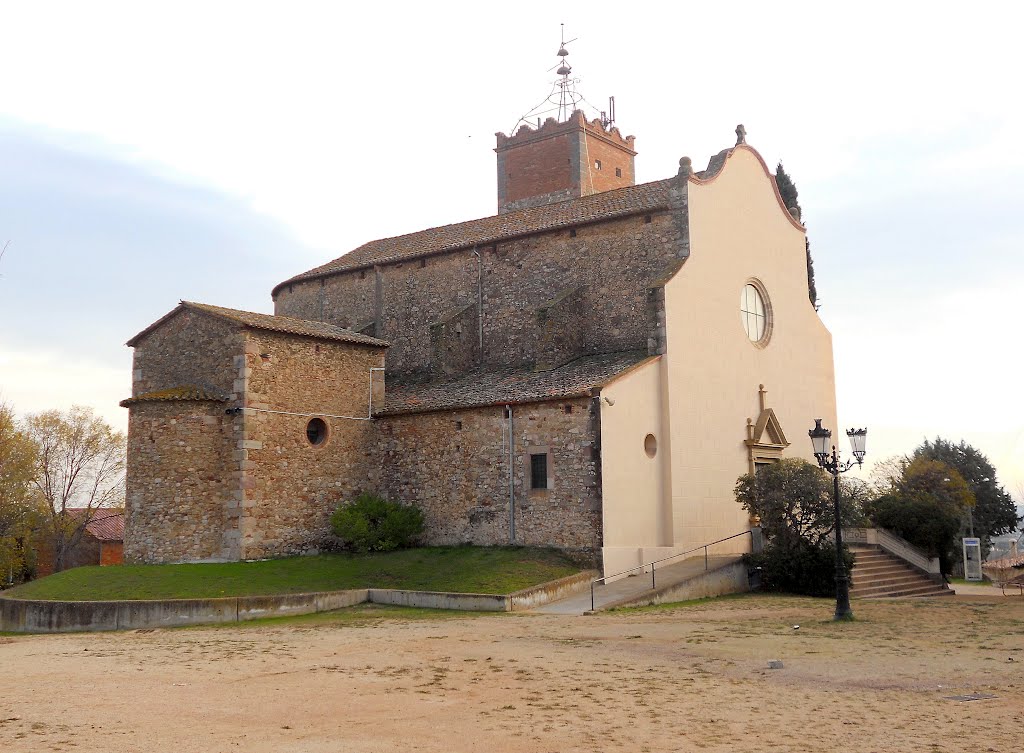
(892, 589)
(893, 580)
(876, 566)
(877, 574)
(871, 558)
(884, 572)
(918, 591)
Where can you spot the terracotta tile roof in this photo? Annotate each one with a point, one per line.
(181, 392)
(512, 386)
(107, 523)
(286, 324)
(645, 197)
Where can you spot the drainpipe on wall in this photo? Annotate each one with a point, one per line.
(511, 480)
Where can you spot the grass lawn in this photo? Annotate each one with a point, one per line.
(466, 569)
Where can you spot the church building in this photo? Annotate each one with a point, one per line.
(590, 369)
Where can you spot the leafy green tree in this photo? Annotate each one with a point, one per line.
(17, 462)
(925, 505)
(793, 499)
(993, 512)
(79, 472)
(790, 197)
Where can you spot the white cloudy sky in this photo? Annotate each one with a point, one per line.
(208, 150)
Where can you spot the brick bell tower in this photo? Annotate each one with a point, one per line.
(567, 156)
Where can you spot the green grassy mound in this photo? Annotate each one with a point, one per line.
(465, 569)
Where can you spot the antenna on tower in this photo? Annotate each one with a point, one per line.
(607, 118)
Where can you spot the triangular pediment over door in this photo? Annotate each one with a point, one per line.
(765, 440)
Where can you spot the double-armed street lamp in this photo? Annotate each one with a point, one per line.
(828, 458)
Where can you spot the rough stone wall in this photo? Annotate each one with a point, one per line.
(455, 341)
(454, 466)
(612, 262)
(561, 324)
(180, 482)
(190, 348)
(289, 487)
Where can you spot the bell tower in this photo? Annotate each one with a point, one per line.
(566, 156)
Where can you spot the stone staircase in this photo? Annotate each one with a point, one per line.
(878, 574)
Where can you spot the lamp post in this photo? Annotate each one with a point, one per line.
(828, 458)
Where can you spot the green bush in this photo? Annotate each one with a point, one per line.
(803, 569)
(373, 524)
(924, 521)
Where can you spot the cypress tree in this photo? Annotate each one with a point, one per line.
(790, 197)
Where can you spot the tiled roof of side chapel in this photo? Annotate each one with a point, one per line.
(511, 386)
(286, 324)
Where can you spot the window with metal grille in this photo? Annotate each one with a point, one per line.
(539, 471)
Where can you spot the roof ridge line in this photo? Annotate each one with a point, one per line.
(510, 218)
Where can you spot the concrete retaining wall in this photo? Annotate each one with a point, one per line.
(35, 616)
(728, 579)
(441, 600)
(530, 598)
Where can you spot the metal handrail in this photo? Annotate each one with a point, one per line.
(652, 564)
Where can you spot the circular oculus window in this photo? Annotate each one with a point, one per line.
(755, 313)
(316, 431)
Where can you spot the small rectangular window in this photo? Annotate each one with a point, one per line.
(572, 232)
(597, 164)
(618, 172)
(539, 471)
(568, 409)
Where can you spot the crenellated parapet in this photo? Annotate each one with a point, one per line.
(551, 128)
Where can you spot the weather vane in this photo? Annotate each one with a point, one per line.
(564, 98)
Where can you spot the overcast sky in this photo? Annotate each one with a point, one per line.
(207, 151)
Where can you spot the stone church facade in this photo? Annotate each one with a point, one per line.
(590, 369)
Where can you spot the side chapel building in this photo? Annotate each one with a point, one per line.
(590, 369)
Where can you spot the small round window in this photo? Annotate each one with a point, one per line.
(316, 431)
(650, 445)
(755, 314)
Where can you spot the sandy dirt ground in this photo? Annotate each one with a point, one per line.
(689, 678)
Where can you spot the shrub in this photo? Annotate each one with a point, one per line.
(373, 524)
(793, 499)
(804, 569)
(926, 505)
(922, 520)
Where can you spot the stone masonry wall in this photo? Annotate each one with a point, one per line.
(289, 487)
(190, 348)
(179, 481)
(454, 466)
(612, 262)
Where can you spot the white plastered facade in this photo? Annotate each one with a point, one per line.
(697, 397)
